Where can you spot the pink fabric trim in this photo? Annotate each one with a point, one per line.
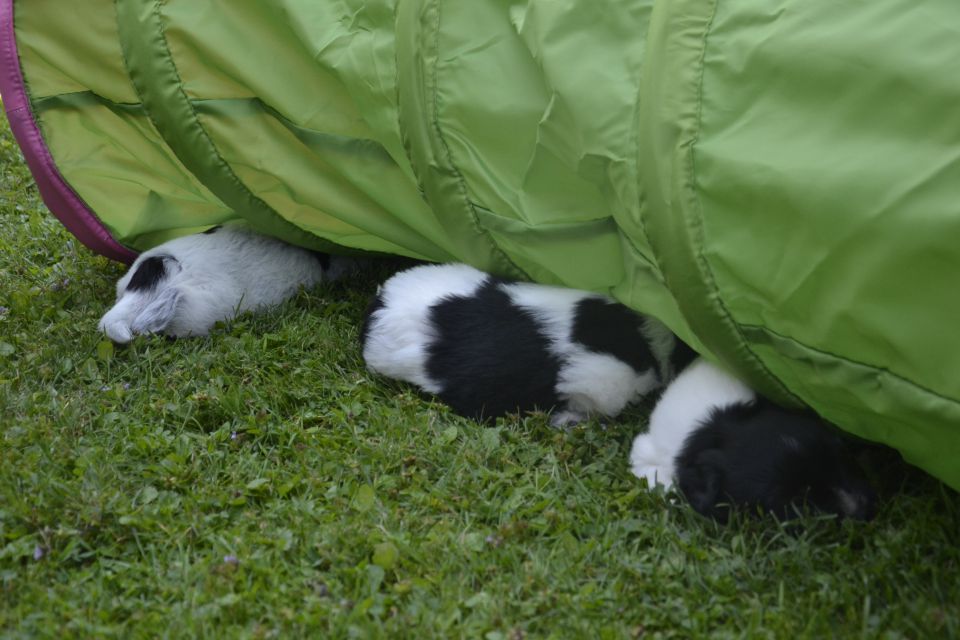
(56, 193)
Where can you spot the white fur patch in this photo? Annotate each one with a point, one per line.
(399, 332)
(686, 403)
(598, 383)
(589, 382)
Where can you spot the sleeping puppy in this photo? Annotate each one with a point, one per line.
(184, 286)
(726, 448)
(488, 347)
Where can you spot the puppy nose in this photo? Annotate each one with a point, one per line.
(859, 505)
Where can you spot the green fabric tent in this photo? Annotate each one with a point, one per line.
(779, 181)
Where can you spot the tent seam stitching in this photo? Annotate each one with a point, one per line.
(696, 224)
(461, 182)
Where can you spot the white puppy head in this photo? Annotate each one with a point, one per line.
(147, 299)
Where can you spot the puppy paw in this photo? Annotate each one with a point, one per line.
(118, 330)
(647, 462)
(115, 323)
(566, 419)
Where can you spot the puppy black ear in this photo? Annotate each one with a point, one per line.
(702, 483)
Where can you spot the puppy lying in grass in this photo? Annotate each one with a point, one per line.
(725, 447)
(185, 286)
(489, 347)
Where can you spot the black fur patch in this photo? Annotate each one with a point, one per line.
(762, 456)
(609, 327)
(148, 274)
(681, 356)
(490, 357)
(212, 230)
(322, 258)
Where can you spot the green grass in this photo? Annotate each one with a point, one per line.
(260, 483)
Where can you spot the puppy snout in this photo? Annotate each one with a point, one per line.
(858, 504)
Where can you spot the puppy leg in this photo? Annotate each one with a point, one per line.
(650, 462)
(116, 322)
(689, 400)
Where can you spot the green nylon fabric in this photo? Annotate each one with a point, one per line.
(776, 180)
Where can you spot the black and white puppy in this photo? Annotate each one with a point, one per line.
(726, 448)
(184, 286)
(488, 347)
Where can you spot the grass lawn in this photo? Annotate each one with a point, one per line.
(260, 483)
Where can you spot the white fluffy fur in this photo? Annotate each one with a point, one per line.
(589, 382)
(687, 402)
(400, 332)
(209, 278)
